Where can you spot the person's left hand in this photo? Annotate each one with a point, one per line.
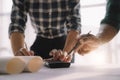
(60, 55)
(24, 52)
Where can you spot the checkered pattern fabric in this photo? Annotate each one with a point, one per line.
(50, 18)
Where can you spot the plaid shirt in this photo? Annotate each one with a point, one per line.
(50, 18)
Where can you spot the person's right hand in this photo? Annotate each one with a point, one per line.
(88, 42)
(24, 52)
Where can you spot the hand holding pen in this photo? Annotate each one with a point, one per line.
(24, 52)
(88, 42)
(85, 44)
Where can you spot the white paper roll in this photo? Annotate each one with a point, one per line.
(11, 65)
(33, 63)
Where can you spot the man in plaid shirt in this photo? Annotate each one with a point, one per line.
(56, 23)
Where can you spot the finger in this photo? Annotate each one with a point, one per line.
(78, 47)
(84, 51)
(69, 58)
(18, 54)
(32, 53)
(25, 52)
(53, 52)
(63, 56)
(58, 54)
(80, 52)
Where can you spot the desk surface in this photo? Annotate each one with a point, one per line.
(75, 72)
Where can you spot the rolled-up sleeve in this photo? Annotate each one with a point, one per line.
(18, 17)
(74, 19)
(112, 16)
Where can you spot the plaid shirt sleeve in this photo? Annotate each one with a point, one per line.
(73, 19)
(18, 17)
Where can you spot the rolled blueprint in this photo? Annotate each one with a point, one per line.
(32, 63)
(11, 65)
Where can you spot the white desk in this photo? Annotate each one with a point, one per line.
(75, 72)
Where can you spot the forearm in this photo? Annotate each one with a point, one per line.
(17, 41)
(73, 26)
(71, 39)
(106, 33)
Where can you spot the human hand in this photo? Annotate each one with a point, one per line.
(24, 52)
(88, 42)
(59, 55)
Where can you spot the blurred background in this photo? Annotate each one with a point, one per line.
(92, 11)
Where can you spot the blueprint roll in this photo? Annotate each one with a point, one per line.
(11, 65)
(32, 63)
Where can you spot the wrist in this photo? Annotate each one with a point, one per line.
(100, 41)
(19, 52)
(66, 50)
